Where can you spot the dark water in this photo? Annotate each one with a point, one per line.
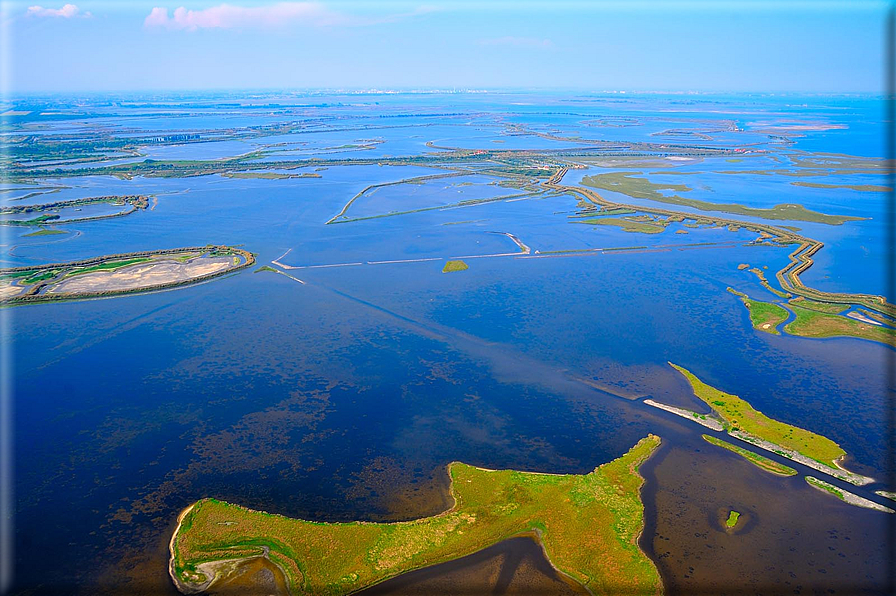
(345, 398)
(515, 566)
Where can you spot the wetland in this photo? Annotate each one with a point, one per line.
(335, 395)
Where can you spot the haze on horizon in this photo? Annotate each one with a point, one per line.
(746, 46)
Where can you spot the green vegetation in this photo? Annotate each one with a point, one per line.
(34, 221)
(813, 323)
(859, 187)
(739, 416)
(643, 188)
(732, 518)
(452, 266)
(266, 268)
(825, 307)
(108, 266)
(819, 484)
(813, 319)
(41, 276)
(588, 524)
(626, 224)
(764, 316)
(44, 232)
(761, 461)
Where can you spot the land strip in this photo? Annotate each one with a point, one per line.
(845, 495)
(589, 526)
(769, 465)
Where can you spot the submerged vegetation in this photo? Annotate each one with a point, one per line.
(588, 524)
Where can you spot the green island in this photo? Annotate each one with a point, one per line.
(732, 519)
(765, 316)
(453, 266)
(857, 187)
(44, 232)
(113, 275)
(627, 224)
(589, 526)
(134, 202)
(742, 421)
(642, 188)
(760, 461)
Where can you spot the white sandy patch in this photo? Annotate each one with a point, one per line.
(9, 291)
(142, 275)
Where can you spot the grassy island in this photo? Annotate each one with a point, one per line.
(588, 524)
(732, 519)
(44, 232)
(453, 266)
(113, 275)
(769, 465)
(627, 224)
(744, 422)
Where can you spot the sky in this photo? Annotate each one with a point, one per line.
(640, 45)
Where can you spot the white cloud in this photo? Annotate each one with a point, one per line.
(520, 42)
(227, 16)
(66, 12)
(281, 14)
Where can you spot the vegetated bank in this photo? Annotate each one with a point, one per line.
(588, 524)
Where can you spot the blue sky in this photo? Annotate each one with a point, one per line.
(765, 46)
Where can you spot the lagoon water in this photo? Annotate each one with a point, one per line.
(344, 397)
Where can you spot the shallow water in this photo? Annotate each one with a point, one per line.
(344, 398)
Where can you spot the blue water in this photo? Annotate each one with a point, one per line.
(344, 398)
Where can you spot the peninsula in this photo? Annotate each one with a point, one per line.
(589, 526)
